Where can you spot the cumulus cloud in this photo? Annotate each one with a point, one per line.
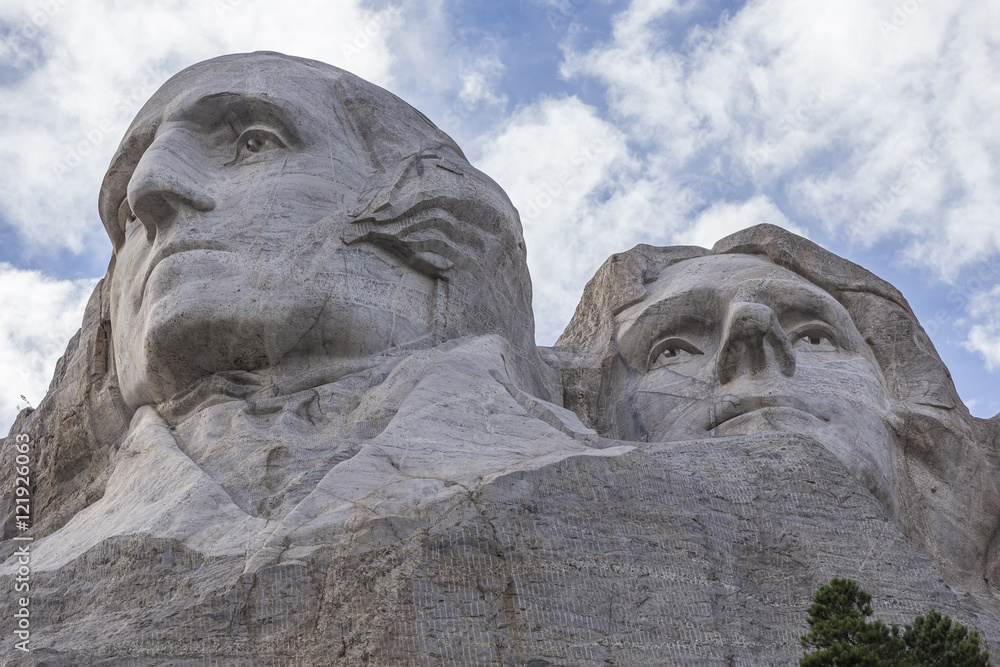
(984, 334)
(875, 131)
(581, 196)
(861, 121)
(66, 107)
(724, 218)
(984, 339)
(39, 316)
(855, 120)
(480, 82)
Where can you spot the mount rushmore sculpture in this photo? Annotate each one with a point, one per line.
(305, 420)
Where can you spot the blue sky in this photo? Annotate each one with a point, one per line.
(870, 126)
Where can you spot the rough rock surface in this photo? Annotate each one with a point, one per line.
(304, 421)
(701, 553)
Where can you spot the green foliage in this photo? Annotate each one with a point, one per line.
(934, 641)
(841, 635)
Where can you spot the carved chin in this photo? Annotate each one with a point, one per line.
(192, 334)
(183, 342)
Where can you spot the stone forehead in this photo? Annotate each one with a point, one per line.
(722, 271)
(307, 83)
(707, 287)
(744, 275)
(308, 87)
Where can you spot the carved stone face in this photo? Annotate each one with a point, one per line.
(733, 344)
(233, 220)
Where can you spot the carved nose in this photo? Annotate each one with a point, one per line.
(750, 329)
(164, 183)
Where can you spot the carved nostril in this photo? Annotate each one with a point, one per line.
(161, 185)
(749, 328)
(153, 210)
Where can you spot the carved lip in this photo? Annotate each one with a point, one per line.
(170, 250)
(730, 407)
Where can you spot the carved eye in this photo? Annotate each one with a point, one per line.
(254, 143)
(815, 337)
(670, 351)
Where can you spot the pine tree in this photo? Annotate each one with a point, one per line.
(842, 635)
(934, 641)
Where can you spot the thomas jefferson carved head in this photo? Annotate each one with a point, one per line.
(274, 212)
(770, 333)
(767, 331)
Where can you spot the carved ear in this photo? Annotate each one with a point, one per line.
(425, 203)
(392, 194)
(432, 210)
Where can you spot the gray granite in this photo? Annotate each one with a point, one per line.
(305, 422)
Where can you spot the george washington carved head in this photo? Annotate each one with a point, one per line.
(270, 212)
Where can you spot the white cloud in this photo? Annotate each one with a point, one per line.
(876, 137)
(785, 112)
(984, 340)
(480, 82)
(60, 124)
(581, 197)
(724, 218)
(39, 316)
(984, 336)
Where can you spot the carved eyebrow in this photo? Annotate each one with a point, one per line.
(692, 308)
(241, 111)
(814, 303)
(695, 310)
(237, 110)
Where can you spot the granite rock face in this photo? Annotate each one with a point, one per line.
(305, 422)
(770, 332)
